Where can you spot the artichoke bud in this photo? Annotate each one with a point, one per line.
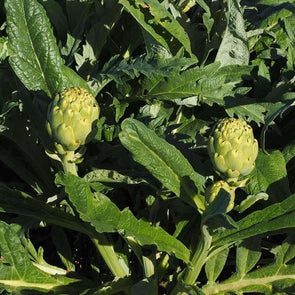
(232, 148)
(71, 119)
(212, 191)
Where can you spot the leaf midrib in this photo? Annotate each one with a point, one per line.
(242, 283)
(32, 46)
(176, 176)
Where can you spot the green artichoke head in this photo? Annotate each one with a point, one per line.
(71, 119)
(212, 191)
(232, 148)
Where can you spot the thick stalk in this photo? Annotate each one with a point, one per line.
(147, 262)
(106, 250)
(198, 260)
(193, 270)
(163, 266)
(67, 161)
(197, 198)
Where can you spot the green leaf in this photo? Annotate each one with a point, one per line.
(246, 109)
(117, 286)
(105, 216)
(17, 271)
(270, 176)
(215, 264)
(248, 254)
(155, 65)
(111, 176)
(146, 286)
(158, 15)
(277, 109)
(70, 79)
(250, 200)
(275, 277)
(276, 12)
(139, 15)
(191, 289)
(63, 247)
(289, 152)
(279, 216)
(163, 160)
(19, 149)
(234, 46)
(262, 281)
(57, 17)
(288, 248)
(210, 84)
(219, 205)
(35, 57)
(270, 2)
(4, 48)
(107, 15)
(16, 202)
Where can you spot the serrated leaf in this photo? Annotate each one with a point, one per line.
(16, 202)
(264, 280)
(274, 12)
(154, 65)
(234, 45)
(35, 57)
(111, 176)
(105, 216)
(183, 84)
(279, 216)
(17, 271)
(13, 201)
(276, 276)
(163, 160)
(210, 84)
(245, 108)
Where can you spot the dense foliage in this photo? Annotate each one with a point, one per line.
(127, 213)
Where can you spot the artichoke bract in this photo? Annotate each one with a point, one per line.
(232, 148)
(71, 119)
(212, 191)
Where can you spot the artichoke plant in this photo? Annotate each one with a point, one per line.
(213, 190)
(71, 122)
(232, 148)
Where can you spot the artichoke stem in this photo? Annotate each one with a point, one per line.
(115, 264)
(191, 273)
(68, 162)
